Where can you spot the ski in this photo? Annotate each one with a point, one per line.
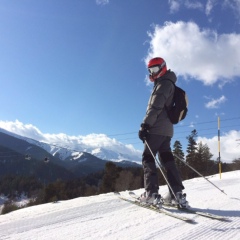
(189, 210)
(155, 208)
(198, 212)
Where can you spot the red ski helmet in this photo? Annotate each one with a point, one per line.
(157, 67)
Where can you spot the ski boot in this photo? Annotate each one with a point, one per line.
(153, 199)
(181, 200)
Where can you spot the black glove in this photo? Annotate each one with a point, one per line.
(143, 132)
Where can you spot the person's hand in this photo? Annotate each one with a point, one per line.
(143, 132)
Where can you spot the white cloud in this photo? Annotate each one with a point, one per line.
(214, 103)
(229, 146)
(73, 142)
(192, 125)
(102, 2)
(174, 5)
(217, 114)
(209, 6)
(19, 128)
(193, 4)
(191, 52)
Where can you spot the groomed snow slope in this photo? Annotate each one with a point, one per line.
(107, 217)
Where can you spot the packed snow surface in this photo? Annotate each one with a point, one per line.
(107, 217)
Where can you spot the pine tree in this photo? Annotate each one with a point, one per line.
(191, 150)
(203, 162)
(235, 164)
(177, 150)
(111, 173)
(123, 182)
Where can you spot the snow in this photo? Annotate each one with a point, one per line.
(107, 217)
(2, 200)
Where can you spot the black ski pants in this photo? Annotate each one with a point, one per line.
(161, 145)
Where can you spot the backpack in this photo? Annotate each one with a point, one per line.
(177, 111)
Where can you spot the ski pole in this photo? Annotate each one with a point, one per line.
(199, 174)
(159, 165)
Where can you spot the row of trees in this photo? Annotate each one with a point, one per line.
(200, 158)
(113, 178)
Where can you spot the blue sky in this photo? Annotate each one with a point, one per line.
(78, 68)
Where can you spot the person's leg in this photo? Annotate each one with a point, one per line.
(173, 175)
(149, 167)
(168, 162)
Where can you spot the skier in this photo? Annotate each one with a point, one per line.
(157, 130)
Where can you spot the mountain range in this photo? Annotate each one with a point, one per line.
(56, 161)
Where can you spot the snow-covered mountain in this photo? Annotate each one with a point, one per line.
(72, 149)
(64, 161)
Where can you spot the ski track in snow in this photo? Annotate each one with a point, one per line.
(107, 217)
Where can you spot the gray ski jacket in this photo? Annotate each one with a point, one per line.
(162, 95)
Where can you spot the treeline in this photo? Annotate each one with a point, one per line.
(200, 158)
(113, 178)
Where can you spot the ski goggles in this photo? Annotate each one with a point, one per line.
(154, 70)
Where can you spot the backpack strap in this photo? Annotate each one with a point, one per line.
(167, 107)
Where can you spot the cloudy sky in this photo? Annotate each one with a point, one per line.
(77, 69)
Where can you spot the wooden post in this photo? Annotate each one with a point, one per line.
(219, 155)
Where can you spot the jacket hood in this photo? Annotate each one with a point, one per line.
(168, 75)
